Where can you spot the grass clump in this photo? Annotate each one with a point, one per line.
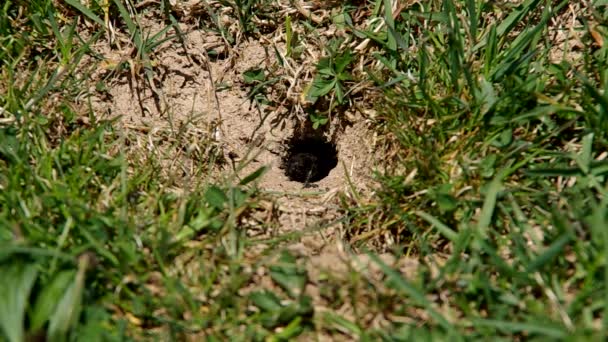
(491, 125)
(95, 244)
(493, 136)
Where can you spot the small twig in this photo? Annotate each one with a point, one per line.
(7, 121)
(306, 13)
(214, 88)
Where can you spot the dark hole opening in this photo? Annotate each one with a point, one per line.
(309, 160)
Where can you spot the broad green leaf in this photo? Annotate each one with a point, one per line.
(401, 42)
(200, 222)
(446, 202)
(324, 67)
(17, 281)
(49, 298)
(318, 120)
(69, 307)
(487, 166)
(216, 197)
(321, 87)
(289, 275)
(443, 197)
(343, 61)
(253, 76)
(266, 300)
(339, 93)
(503, 139)
(238, 197)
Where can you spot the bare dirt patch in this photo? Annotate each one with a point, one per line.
(197, 93)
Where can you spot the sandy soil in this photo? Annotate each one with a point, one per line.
(193, 89)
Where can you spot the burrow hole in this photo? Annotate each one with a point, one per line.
(309, 159)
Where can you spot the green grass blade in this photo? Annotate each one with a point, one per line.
(487, 211)
(390, 23)
(68, 308)
(446, 231)
(133, 30)
(554, 250)
(473, 19)
(334, 320)
(521, 327)
(48, 298)
(491, 49)
(516, 17)
(254, 175)
(17, 282)
(86, 11)
(599, 225)
(396, 281)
